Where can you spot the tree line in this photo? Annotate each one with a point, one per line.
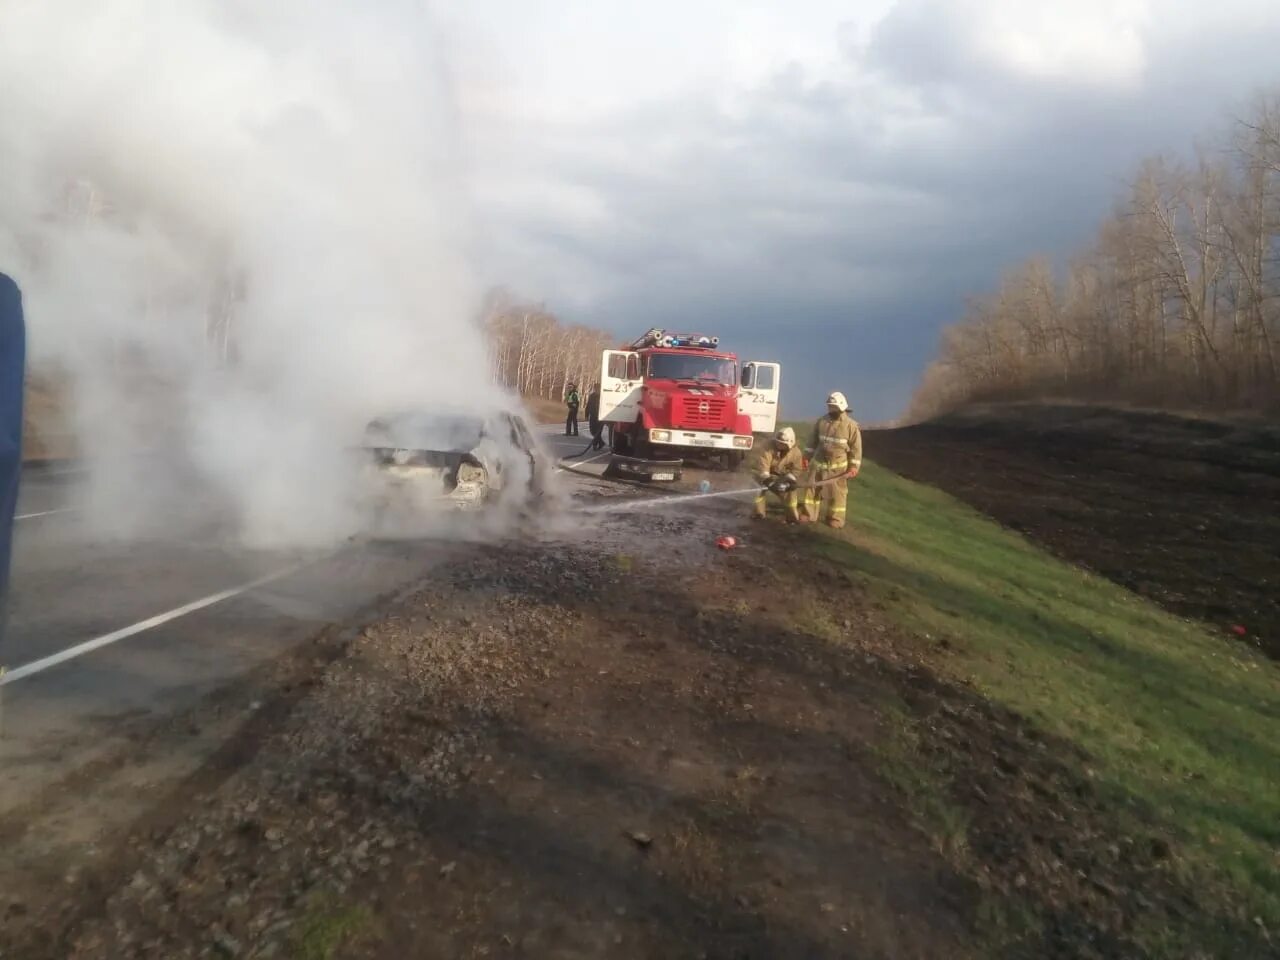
(1176, 303)
(534, 353)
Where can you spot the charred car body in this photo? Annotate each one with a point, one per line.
(423, 461)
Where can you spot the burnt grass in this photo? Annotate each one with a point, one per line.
(641, 747)
(1183, 511)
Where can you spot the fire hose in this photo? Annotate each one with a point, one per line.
(787, 482)
(590, 445)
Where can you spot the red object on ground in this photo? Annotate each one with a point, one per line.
(726, 543)
(1238, 630)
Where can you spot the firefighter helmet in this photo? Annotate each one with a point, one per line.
(786, 436)
(838, 401)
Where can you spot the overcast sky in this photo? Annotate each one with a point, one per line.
(823, 183)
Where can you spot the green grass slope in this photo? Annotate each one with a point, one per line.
(1181, 726)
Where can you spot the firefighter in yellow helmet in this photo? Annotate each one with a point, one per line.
(778, 469)
(837, 456)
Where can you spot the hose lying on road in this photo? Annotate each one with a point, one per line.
(585, 451)
(643, 504)
(647, 502)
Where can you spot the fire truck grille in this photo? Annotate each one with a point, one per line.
(702, 412)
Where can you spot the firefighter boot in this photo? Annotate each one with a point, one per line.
(760, 508)
(814, 496)
(792, 503)
(838, 504)
(808, 507)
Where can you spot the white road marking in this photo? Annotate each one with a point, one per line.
(43, 513)
(97, 643)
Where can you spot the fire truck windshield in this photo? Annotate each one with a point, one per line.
(692, 366)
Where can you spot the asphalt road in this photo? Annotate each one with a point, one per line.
(573, 450)
(134, 665)
(105, 634)
(573, 453)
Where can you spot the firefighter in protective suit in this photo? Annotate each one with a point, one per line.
(780, 465)
(837, 456)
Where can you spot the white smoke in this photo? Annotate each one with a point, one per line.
(161, 159)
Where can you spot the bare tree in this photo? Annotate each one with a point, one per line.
(532, 352)
(1177, 302)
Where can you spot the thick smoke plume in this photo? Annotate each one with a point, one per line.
(241, 231)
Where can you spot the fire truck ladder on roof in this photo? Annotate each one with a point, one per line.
(660, 338)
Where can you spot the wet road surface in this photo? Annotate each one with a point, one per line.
(105, 634)
(101, 630)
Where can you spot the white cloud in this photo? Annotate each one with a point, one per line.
(1088, 42)
(1099, 42)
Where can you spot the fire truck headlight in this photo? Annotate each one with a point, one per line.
(660, 436)
(743, 442)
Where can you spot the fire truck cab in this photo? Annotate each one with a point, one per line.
(679, 394)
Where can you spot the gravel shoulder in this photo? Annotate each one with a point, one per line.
(621, 747)
(616, 740)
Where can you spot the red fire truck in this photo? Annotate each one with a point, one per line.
(678, 395)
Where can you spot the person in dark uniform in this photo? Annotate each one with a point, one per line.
(593, 417)
(13, 340)
(571, 400)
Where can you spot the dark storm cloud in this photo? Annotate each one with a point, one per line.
(837, 224)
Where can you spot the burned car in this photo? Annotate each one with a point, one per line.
(429, 460)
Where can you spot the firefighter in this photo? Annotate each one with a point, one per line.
(571, 401)
(593, 417)
(837, 456)
(13, 352)
(780, 463)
